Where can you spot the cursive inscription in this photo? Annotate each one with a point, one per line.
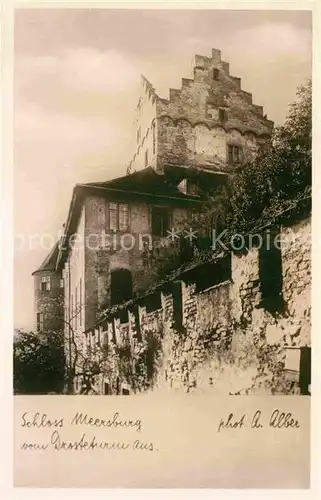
(231, 422)
(115, 421)
(40, 420)
(281, 420)
(276, 420)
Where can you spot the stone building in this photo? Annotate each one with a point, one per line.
(210, 123)
(48, 294)
(185, 148)
(236, 324)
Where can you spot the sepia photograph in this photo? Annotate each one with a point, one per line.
(162, 246)
(162, 202)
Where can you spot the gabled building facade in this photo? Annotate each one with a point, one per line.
(210, 123)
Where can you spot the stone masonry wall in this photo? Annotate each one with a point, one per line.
(210, 111)
(229, 342)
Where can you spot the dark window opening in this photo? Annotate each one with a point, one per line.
(160, 221)
(121, 286)
(107, 389)
(125, 392)
(117, 386)
(123, 316)
(216, 74)
(39, 322)
(270, 271)
(305, 370)
(222, 115)
(191, 187)
(213, 274)
(234, 154)
(186, 250)
(45, 283)
(153, 302)
(138, 334)
(177, 304)
(114, 339)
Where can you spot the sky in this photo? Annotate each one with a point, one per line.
(76, 77)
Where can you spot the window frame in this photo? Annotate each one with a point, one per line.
(216, 74)
(192, 182)
(40, 321)
(222, 114)
(169, 219)
(117, 211)
(234, 158)
(45, 285)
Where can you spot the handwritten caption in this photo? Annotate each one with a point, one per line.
(276, 420)
(85, 442)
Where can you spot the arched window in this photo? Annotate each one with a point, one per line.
(121, 286)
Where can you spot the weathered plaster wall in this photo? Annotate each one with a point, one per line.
(120, 250)
(144, 136)
(230, 343)
(74, 280)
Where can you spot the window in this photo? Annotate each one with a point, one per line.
(222, 114)
(123, 216)
(45, 283)
(123, 316)
(234, 154)
(39, 322)
(153, 302)
(118, 217)
(121, 286)
(137, 334)
(101, 214)
(216, 74)
(191, 187)
(146, 158)
(61, 283)
(305, 370)
(270, 272)
(107, 389)
(160, 221)
(125, 392)
(213, 274)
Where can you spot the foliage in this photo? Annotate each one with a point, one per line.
(38, 363)
(281, 174)
(138, 365)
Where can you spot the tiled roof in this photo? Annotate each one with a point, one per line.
(145, 181)
(49, 264)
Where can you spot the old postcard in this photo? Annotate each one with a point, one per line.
(162, 195)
